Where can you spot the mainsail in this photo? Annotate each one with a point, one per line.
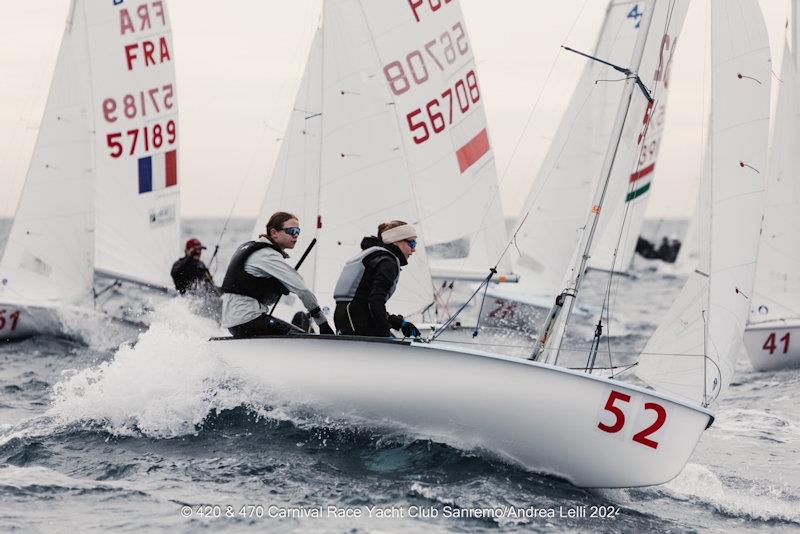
(341, 166)
(428, 63)
(776, 293)
(693, 352)
(136, 141)
(389, 123)
(48, 256)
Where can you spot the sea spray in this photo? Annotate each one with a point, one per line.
(698, 483)
(163, 386)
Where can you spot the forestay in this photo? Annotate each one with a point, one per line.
(776, 293)
(133, 83)
(693, 353)
(48, 256)
(427, 62)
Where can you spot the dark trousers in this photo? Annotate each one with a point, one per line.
(263, 325)
(354, 319)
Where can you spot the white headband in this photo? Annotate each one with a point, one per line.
(398, 233)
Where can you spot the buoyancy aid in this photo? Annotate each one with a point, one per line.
(264, 289)
(353, 273)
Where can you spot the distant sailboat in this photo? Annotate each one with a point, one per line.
(379, 132)
(772, 337)
(108, 137)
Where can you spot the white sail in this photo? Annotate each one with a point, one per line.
(48, 256)
(428, 64)
(626, 201)
(686, 261)
(295, 183)
(561, 195)
(776, 294)
(344, 171)
(557, 203)
(731, 206)
(133, 84)
(660, 25)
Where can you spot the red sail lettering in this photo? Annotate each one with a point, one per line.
(144, 17)
(164, 49)
(148, 47)
(148, 53)
(158, 7)
(125, 22)
(130, 54)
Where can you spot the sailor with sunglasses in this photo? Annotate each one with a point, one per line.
(258, 275)
(369, 279)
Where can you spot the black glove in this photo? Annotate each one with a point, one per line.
(325, 329)
(409, 330)
(396, 321)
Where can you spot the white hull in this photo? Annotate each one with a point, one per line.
(774, 345)
(20, 320)
(541, 417)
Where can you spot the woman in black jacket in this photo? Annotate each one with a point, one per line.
(369, 279)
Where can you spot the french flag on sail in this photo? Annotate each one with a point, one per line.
(158, 171)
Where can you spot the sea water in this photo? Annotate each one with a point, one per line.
(159, 436)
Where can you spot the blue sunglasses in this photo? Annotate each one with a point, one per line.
(412, 243)
(292, 230)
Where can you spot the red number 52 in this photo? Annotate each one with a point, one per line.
(619, 418)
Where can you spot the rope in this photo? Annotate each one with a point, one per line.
(452, 318)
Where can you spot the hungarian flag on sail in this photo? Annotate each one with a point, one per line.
(640, 183)
(158, 171)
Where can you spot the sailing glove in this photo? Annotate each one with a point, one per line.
(409, 330)
(396, 321)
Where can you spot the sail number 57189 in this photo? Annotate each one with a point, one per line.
(614, 403)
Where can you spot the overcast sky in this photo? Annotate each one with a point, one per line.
(238, 64)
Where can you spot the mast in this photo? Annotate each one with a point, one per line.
(549, 345)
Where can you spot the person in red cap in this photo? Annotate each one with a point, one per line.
(191, 274)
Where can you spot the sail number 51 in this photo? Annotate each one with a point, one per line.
(615, 399)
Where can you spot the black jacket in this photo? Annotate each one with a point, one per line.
(190, 273)
(366, 315)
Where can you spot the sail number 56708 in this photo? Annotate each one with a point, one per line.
(615, 399)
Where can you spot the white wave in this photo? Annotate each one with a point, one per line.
(164, 386)
(699, 483)
(735, 423)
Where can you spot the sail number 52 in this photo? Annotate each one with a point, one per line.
(615, 399)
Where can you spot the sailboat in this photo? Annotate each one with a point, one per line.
(554, 211)
(101, 189)
(345, 164)
(462, 396)
(773, 332)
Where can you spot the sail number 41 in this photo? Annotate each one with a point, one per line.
(615, 399)
(771, 345)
